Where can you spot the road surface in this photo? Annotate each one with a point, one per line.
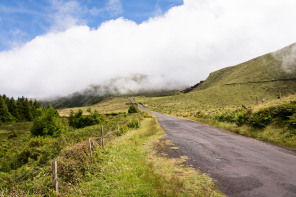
(241, 166)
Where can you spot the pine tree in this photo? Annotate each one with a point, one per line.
(27, 110)
(20, 104)
(35, 106)
(5, 116)
(13, 109)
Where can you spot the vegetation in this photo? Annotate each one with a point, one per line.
(20, 110)
(132, 109)
(107, 106)
(131, 166)
(78, 120)
(47, 123)
(127, 166)
(74, 100)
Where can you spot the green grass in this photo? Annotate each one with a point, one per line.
(130, 166)
(271, 134)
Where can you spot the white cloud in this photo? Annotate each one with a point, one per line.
(114, 7)
(66, 14)
(182, 46)
(157, 11)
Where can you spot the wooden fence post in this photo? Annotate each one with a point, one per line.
(102, 136)
(89, 144)
(55, 176)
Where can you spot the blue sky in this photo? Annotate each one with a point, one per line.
(22, 20)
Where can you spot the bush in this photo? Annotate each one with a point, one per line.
(134, 124)
(225, 116)
(241, 117)
(292, 124)
(77, 120)
(31, 150)
(284, 111)
(132, 109)
(47, 123)
(74, 163)
(260, 119)
(121, 130)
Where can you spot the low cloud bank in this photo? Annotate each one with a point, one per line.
(174, 50)
(287, 56)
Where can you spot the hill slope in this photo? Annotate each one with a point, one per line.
(243, 84)
(267, 68)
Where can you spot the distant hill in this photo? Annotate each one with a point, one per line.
(262, 78)
(74, 100)
(272, 67)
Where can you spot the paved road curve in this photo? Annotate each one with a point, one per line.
(242, 166)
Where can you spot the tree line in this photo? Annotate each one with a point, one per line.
(22, 109)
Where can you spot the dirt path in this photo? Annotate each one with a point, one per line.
(242, 166)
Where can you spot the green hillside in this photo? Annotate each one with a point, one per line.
(265, 69)
(74, 100)
(244, 84)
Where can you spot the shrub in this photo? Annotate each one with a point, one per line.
(241, 117)
(260, 119)
(121, 130)
(132, 109)
(75, 162)
(134, 124)
(225, 116)
(78, 120)
(292, 124)
(31, 150)
(284, 111)
(47, 123)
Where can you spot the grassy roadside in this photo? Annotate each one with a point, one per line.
(269, 134)
(277, 120)
(131, 166)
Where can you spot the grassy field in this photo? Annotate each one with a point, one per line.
(108, 105)
(132, 163)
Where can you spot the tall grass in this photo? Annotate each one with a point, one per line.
(130, 166)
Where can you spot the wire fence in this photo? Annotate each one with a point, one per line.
(65, 152)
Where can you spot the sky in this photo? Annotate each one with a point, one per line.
(56, 47)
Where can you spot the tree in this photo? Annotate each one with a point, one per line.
(27, 110)
(20, 104)
(13, 109)
(48, 123)
(5, 116)
(132, 109)
(35, 106)
(78, 120)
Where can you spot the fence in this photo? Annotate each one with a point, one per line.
(54, 165)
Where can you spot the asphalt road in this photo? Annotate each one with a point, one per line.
(241, 166)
